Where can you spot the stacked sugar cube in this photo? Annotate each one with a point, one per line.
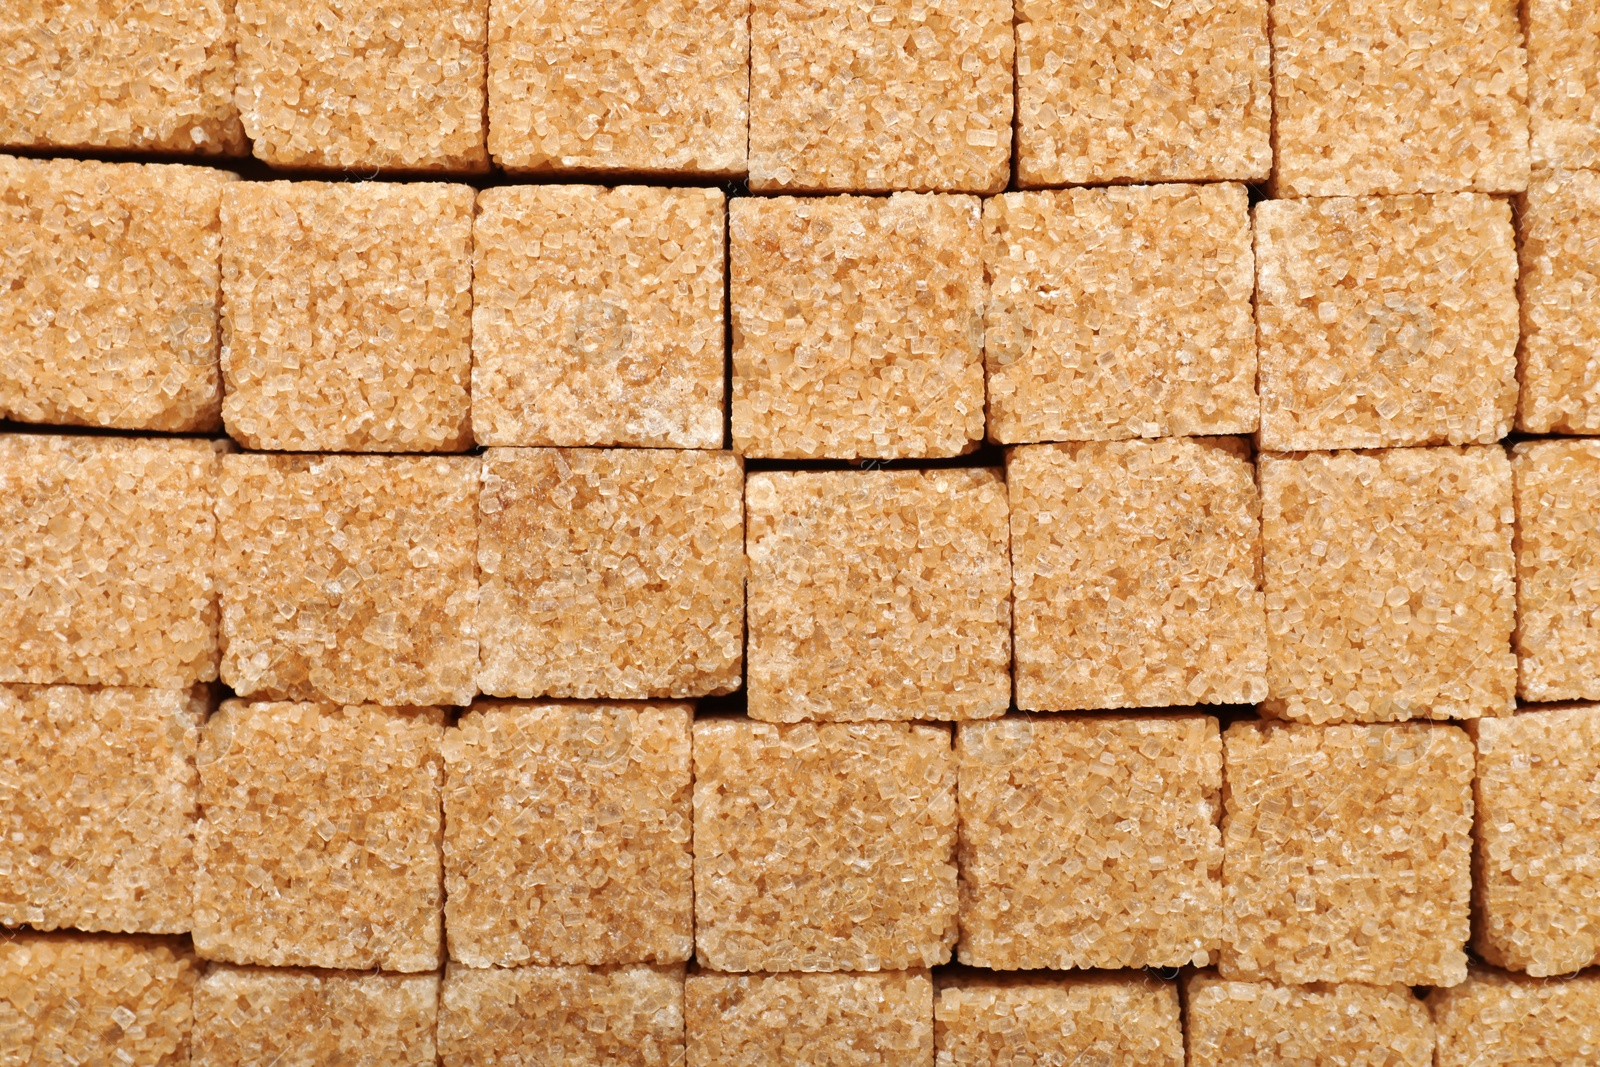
(1003, 531)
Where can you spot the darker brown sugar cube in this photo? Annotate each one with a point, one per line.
(1119, 1020)
(1499, 1018)
(1269, 1025)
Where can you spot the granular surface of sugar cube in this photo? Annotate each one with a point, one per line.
(1560, 289)
(260, 1017)
(1382, 97)
(1111, 1020)
(878, 595)
(1557, 485)
(1564, 82)
(1496, 1019)
(98, 830)
(1389, 584)
(346, 84)
(318, 844)
(1130, 91)
(1135, 574)
(857, 326)
(871, 98)
(143, 74)
(106, 561)
(1120, 312)
(1347, 852)
(111, 280)
(1386, 321)
(349, 578)
(611, 573)
(1090, 842)
(347, 316)
(1269, 1025)
(567, 833)
(70, 998)
(597, 316)
(1537, 884)
(628, 1016)
(829, 1020)
(656, 87)
(823, 847)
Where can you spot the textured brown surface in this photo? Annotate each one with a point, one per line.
(111, 281)
(318, 844)
(1564, 82)
(352, 84)
(97, 1001)
(256, 1017)
(1266, 1025)
(1506, 1020)
(1347, 852)
(349, 578)
(106, 561)
(857, 326)
(909, 94)
(1120, 312)
(1386, 321)
(597, 316)
(1374, 96)
(567, 834)
(98, 829)
(1536, 881)
(637, 86)
(823, 848)
(347, 316)
(612, 573)
(1136, 91)
(878, 595)
(572, 1016)
(1389, 584)
(1109, 1020)
(1557, 486)
(1559, 224)
(821, 1020)
(1090, 842)
(1136, 574)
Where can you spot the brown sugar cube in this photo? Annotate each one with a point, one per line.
(106, 561)
(1378, 97)
(98, 1001)
(657, 87)
(1103, 1019)
(1495, 1018)
(1386, 321)
(147, 75)
(1537, 882)
(878, 595)
(611, 573)
(1347, 852)
(258, 1017)
(1090, 842)
(567, 834)
(347, 84)
(1135, 569)
(629, 1016)
(1563, 82)
(318, 843)
(831, 1020)
(857, 326)
(823, 847)
(1133, 91)
(98, 832)
(1268, 1025)
(1120, 312)
(1389, 584)
(1560, 288)
(597, 316)
(111, 277)
(871, 98)
(349, 578)
(1557, 485)
(347, 316)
